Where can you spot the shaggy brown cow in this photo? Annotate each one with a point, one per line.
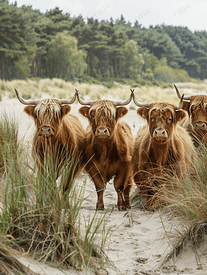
(108, 151)
(161, 146)
(59, 135)
(196, 123)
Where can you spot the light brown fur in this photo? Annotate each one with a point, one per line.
(109, 157)
(154, 156)
(197, 115)
(67, 135)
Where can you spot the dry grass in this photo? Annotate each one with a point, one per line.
(186, 202)
(40, 218)
(9, 263)
(62, 89)
(183, 206)
(195, 86)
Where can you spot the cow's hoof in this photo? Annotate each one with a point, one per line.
(99, 208)
(124, 208)
(119, 207)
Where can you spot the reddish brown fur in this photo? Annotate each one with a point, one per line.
(196, 124)
(109, 155)
(170, 152)
(67, 135)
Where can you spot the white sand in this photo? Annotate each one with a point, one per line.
(138, 242)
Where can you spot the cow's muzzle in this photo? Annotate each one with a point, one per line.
(45, 131)
(102, 132)
(160, 134)
(200, 126)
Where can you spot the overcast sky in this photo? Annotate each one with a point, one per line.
(187, 13)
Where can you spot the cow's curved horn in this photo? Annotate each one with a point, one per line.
(81, 101)
(139, 104)
(125, 102)
(69, 101)
(179, 95)
(26, 102)
(118, 103)
(180, 104)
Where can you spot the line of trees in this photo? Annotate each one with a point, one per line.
(54, 45)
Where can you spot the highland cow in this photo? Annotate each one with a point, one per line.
(108, 150)
(59, 136)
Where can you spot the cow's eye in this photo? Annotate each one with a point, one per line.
(170, 119)
(92, 115)
(192, 109)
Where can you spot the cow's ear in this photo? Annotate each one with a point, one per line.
(121, 111)
(180, 114)
(143, 112)
(30, 111)
(186, 106)
(84, 111)
(65, 109)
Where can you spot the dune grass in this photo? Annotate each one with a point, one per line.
(36, 88)
(8, 140)
(9, 264)
(186, 205)
(183, 207)
(40, 218)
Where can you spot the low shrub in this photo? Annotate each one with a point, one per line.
(170, 75)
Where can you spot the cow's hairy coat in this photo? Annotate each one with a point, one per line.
(109, 154)
(196, 123)
(161, 146)
(65, 139)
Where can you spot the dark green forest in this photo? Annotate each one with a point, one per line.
(55, 45)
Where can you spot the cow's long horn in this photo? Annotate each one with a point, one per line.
(69, 101)
(179, 95)
(180, 104)
(26, 102)
(139, 104)
(81, 101)
(125, 102)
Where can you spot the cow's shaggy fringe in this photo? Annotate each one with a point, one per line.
(186, 205)
(44, 221)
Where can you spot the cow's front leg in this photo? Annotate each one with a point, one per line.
(100, 203)
(120, 198)
(127, 190)
(122, 185)
(99, 184)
